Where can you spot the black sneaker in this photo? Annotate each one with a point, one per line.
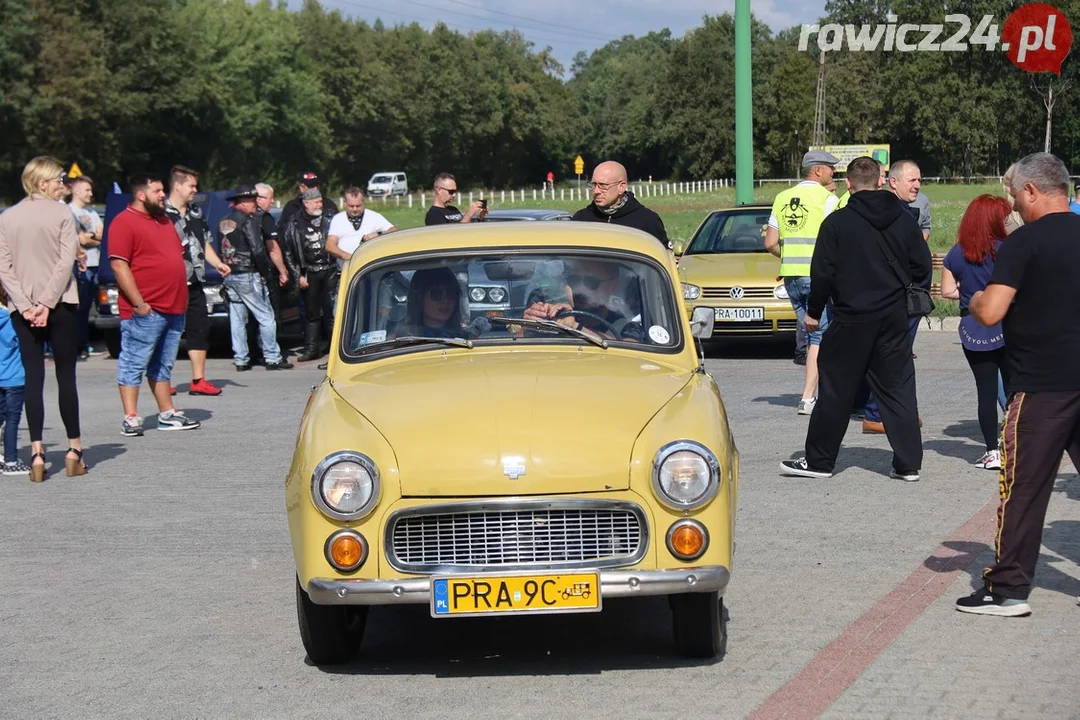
(243, 368)
(984, 602)
(799, 359)
(906, 475)
(800, 468)
(279, 365)
(84, 355)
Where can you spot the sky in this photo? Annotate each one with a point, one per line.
(568, 26)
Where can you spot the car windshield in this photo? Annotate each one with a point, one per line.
(421, 303)
(731, 232)
(381, 179)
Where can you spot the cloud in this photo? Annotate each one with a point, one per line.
(570, 26)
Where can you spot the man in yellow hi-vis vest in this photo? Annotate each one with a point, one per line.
(793, 227)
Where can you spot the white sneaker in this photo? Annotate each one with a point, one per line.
(806, 407)
(990, 461)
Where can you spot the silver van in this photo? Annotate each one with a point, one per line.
(387, 184)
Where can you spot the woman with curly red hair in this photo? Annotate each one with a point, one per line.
(967, 269)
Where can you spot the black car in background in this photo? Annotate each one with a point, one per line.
(214, 208)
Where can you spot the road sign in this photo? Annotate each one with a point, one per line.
(847, 153)
(579, 165)
(74, 171)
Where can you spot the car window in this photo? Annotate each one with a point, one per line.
(624, 299)
(380, 179)
(401, 178)
(731, 232)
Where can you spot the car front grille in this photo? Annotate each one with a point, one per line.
(516, 535)
(724, 293)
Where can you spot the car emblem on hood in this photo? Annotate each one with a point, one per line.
(736, 292)
(513, 467)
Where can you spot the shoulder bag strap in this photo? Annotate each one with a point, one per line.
(902, 275)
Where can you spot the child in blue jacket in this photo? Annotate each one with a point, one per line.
(12, 388)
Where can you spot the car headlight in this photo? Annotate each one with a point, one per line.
(477, 294)
(345, 485)
(496, 295)
(780, 292)
(690, 292)
(686, 475)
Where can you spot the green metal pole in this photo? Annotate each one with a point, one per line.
(744, 107)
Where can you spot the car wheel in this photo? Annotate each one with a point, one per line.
(698, 623)
(112, 343)
(331, 633)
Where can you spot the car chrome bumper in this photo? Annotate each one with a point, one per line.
(613, 584)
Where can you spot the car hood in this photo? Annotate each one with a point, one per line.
(718, 268)
(513, 423)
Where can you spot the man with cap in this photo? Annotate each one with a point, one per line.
(315, 269)
(308, 180)
(792, 232)
(244, 251)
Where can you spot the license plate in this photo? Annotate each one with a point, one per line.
(740, 314)
(519, 594)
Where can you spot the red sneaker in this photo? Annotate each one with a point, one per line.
(203, 387)
(172, 390)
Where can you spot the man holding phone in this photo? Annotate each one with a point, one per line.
(442, 212)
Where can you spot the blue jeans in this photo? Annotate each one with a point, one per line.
(247, 293)
(148, 346)
(11, 407)
(871, 411)
(88, 284)
(1002, 400)
(798, 290)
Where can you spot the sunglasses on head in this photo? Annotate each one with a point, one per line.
(440, 293)
(590, 281)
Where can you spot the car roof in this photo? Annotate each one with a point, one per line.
(527, 214)
(518, 236)
(758, 207)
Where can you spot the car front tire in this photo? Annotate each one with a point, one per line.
(698, 624)
(331, 633)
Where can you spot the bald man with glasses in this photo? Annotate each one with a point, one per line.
(614, 203)
(442, 212)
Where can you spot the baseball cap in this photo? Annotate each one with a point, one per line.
(311, 179)
(819, 157)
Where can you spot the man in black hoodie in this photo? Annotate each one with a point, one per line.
(613, 203)
(869, 333)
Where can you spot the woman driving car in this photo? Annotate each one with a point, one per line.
(433, 307)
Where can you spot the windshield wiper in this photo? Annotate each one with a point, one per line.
(417, 340)
(552, 325)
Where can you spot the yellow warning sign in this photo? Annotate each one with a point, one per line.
(75, 171)
(579, 165)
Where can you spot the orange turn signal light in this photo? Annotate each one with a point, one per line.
(687, 540)
(346, 550)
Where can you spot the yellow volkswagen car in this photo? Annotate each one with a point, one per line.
(542, 458)
(726, 269)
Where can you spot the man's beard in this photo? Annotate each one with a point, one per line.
(155, 210)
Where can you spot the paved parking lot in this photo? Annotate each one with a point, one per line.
(162, 583)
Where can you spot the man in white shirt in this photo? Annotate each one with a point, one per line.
(354, 225)
(89, 226)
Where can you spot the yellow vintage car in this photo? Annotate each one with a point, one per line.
(541, 458)
(725, 268)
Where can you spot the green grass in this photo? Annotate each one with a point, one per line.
(683, 213)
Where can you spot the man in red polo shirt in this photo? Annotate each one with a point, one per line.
(147, 257)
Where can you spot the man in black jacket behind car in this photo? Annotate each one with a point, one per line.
(316, 271)
(869, 333)
(613, 203)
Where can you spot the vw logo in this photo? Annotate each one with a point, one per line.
(736, 292)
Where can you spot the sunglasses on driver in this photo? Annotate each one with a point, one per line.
(440, 293)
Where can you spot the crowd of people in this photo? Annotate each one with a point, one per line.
(858, 273)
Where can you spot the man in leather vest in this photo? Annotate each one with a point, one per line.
(315, 269)
(244, 251)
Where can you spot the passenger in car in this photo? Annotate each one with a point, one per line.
(433, 307)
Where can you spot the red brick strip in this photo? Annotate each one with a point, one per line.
(840, 663)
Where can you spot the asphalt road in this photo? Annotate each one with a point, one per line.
(161, 584)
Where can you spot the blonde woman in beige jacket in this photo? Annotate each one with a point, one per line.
(38, 247)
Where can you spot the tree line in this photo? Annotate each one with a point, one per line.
(249, 92)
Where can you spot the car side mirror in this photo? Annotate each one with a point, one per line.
(701, 323)
(678, 247)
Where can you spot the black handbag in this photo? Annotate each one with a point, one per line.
(919, 302)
